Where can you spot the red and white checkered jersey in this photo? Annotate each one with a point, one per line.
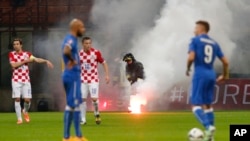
(20, 74)
(89, 61)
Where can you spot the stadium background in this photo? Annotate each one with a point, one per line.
(43, 23)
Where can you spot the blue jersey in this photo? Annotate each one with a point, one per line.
(206, 50)
(71, 41)
(71, 77)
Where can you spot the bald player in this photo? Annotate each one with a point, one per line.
(71, 80)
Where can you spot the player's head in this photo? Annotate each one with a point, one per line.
(86, 43)
(202, 27)
(17, 44)
(77, 27)
(129, 58)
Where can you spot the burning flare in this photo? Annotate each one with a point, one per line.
(136, 101)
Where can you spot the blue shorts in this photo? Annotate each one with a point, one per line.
(72, 86)
(202, 91)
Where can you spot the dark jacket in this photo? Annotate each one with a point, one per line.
(134, 71)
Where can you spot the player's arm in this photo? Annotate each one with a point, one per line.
(225, 74)
(190, 60)
(225, 67)
(191, 56)
(106, 70)
(67, 53)
(41, 60)
(225, 64)
(17, 64)
(104, 64)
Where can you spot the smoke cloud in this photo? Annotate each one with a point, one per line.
(118, 21)
(240, 35)
(165, 45)
(158, 33)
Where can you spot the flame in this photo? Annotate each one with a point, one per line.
(136, 101)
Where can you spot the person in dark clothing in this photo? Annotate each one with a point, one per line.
(134, 68)
(135, 75)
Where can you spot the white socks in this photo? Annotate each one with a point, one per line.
(83, 108)
(96, 109)
(18, 110)
(26, 106)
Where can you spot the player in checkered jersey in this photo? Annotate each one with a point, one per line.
(19, 60)
(89, 59)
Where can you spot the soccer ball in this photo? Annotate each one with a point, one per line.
(195, 134)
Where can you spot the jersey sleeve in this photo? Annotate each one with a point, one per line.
(191, 45)
(31, 57)
(11, 58)
(29, 54)
(219, 52)
(68, 42)
(99, 57)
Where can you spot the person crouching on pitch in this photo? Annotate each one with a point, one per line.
(89, 59)
(134, 73)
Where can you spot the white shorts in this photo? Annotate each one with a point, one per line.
(91, 88)
(21, 89)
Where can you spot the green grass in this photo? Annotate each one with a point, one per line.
(165, 126)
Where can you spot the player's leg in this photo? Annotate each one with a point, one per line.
(16, 94)
(26, 90)
(209, 132)
(95, 103)
(77, 126)
(197, 101)
(68, 117)
(83, 106)
(68, 113)
(78, 101)
(209, 97)
(94, 93)
(76, 117)
(200, 116)
(208, 110)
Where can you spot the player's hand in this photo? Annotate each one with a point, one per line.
(71, 64)
(49, 64)
(107, 79)
(220, 78)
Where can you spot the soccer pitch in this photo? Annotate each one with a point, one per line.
(155, 126)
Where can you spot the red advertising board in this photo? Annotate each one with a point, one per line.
(233, 94)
